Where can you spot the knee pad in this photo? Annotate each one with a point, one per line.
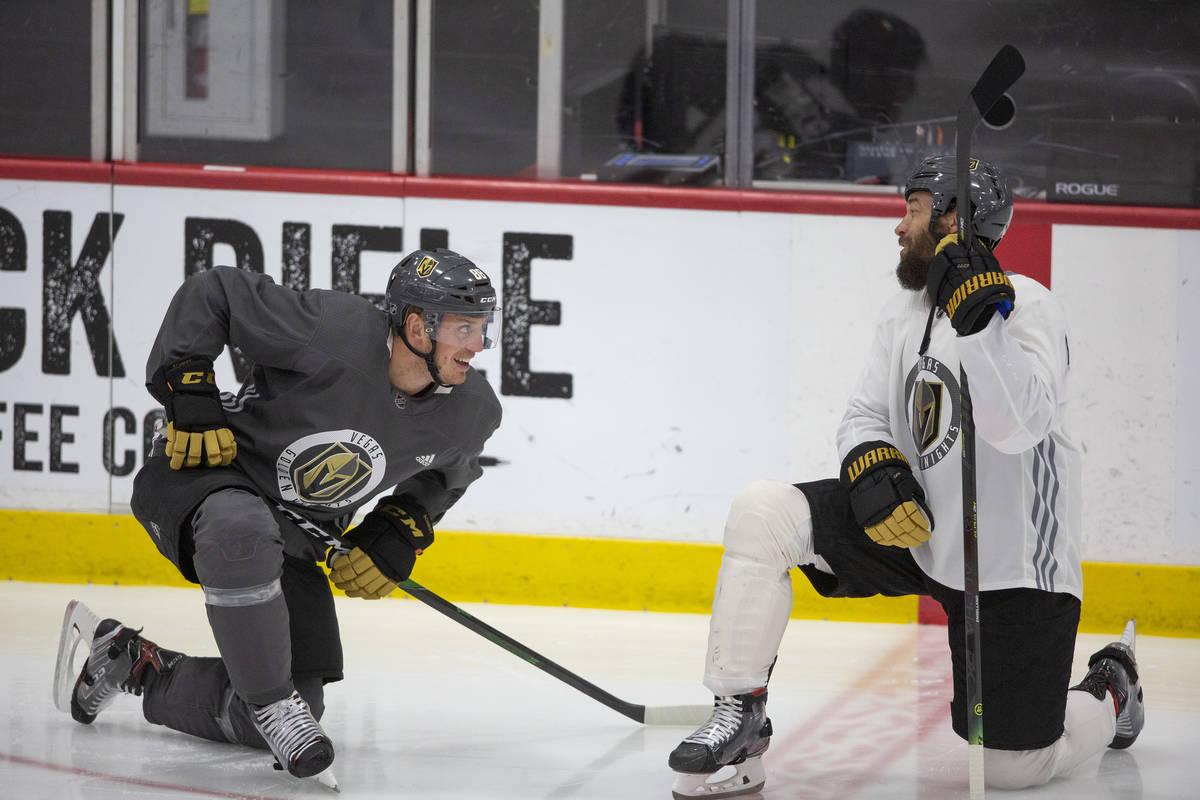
(770, 523)
(237, 541)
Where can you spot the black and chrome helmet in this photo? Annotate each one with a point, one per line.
(439, 282)
(991, 200)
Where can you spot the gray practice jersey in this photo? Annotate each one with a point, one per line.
(318, 424)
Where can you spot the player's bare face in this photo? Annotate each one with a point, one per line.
(916, 242)
(459, 339)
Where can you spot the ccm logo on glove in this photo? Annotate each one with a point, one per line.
(418, 534)
(385, 549)
(197, 431)
(198, 377)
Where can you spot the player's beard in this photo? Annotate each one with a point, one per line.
(914, 265)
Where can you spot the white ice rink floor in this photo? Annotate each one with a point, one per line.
(431, 710)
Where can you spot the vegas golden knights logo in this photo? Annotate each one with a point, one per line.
(426, 266)
(932, 396)
(973, 165)
(331, 469)
(926, 413)
(330, 474)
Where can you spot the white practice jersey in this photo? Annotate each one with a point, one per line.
(1027, 464)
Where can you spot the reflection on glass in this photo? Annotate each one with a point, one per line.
(483, 99)
(600, 41)
(670, 98)
(298, 83)
(833, 121)
(806, 111)
(674, 100)
(196, 77)
(45, 78)
(1108, 110)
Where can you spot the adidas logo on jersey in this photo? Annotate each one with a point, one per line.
(426, 460)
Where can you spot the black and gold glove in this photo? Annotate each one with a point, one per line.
(197, 431)
(385, 546)
(886, 499)
(968, 287)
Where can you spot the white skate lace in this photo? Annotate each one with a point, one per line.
(722, 725)
(288, 727)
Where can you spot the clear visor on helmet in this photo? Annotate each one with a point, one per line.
(468, 331)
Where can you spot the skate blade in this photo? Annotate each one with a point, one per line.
(79, 626)
(1129, 636)
(729, 781)
(327, 779)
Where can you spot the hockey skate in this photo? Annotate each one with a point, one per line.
(723, 758)
(116, 662)
(1113, 671)
(297, 740)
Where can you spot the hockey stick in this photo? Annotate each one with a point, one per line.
(988, 103)
(648, 715)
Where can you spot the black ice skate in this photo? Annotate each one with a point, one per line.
(723, 757)
(297, 740)
(1113, 671)
(116, 662)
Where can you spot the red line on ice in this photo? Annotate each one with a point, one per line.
(89, 773)
(849, 742)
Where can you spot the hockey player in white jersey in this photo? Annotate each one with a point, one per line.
(343, 401)
(890, 524)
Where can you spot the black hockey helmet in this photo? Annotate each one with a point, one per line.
(991, 201)
(440, 282)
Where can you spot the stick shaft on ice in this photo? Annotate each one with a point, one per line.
(649, 715)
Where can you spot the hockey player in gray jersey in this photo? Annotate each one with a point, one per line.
(872, 530)
(343, 401)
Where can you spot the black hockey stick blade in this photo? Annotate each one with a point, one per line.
(692, 715)
(1006, 67)
(1004, 70)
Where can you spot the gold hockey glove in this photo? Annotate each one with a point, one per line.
(197, 431)
(357, 576)
(885, 498)
(385, 548)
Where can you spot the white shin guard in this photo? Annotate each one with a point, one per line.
(768, 531)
